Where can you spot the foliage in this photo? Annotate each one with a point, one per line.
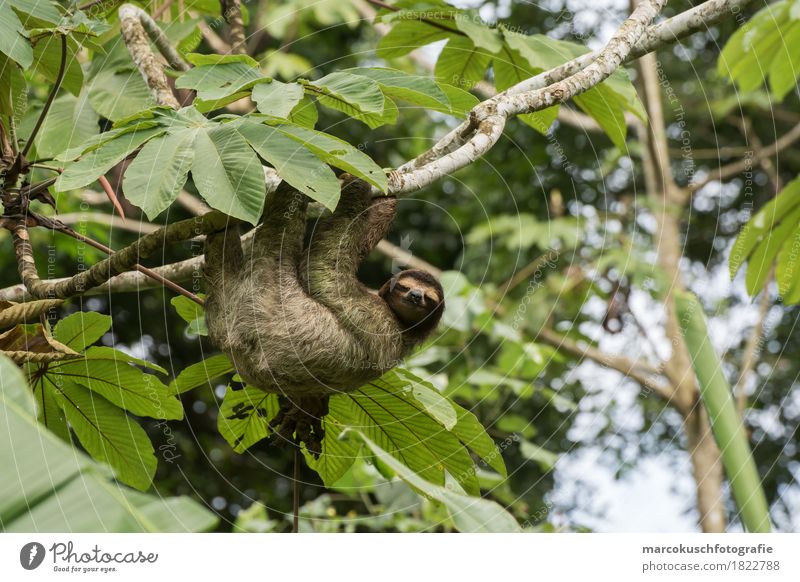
(74, 494)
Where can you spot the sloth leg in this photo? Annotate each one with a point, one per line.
(280, 235)
(341, 241)
(223, 255)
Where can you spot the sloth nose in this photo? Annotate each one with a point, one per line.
(416, 296)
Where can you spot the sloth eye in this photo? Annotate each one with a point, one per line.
(400, 287)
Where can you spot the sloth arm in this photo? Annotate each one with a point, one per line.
(339, 244)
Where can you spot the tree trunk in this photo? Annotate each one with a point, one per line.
(707, 471)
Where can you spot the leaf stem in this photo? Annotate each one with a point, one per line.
(62, 67)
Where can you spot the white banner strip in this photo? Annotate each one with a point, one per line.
(400, 557)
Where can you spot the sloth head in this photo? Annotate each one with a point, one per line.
(417, 299)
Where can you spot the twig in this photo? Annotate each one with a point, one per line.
(120, 261)
(734, 168)
(62, 68)
(112, 196)
(637, 370)
(296, 491)
(752, 351)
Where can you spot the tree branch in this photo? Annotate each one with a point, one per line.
(642, 372)
(121, 261)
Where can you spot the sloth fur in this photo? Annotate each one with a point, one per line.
(294, 319)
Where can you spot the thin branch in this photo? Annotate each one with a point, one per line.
(62, 68)
(728, 170)
(213, 39)
(664, 33)
(752, 351)
(642, 372)
(403, 257)
(487, 120)
(112, 196)
(144, 270)
(135, 34)
(121, 261)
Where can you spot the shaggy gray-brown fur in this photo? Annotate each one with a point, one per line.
(297, 321)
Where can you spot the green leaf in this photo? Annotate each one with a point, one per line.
(407, 35)
(111, 376)
(109, 435)
(294, 162)
(244, 416)
(209, 60)
(99, 161)
(787, 272)
(47, 62)
(201, 374)
(470, 431)
(401, 426)
(760, 262)
(73, 493)
(40, 9)
(82, 329)
(479, 33)
(767, 218)
(13, 39)
(337, 153)
(220, 84)
(461, 63)
(49, 412)
(191, 313)
(70, 122)
(509, 69)
(117, 95)
(603, 105)
(158, 173)
(416, 89)
(785, 67)
(13, 387)
(305, 113)
(338, 454)
(469, 514)
(228, 174)
(358, 97)
(13, 95)
(276, 98)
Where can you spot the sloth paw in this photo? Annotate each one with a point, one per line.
(299, 421)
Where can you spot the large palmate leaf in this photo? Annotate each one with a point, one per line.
(764, 49)
(276, 98)
(357, 96)
(244, 416)
(772, 234)
(469, 514)
(461, 63)
(47, 62)
(71, 122)
(117, 95)
(201, 373)
(157, 175)
(74, 493)
(220, 80)
(294, 163)
(99, 161)
(90, 393)
(228, 174)
(13, 37)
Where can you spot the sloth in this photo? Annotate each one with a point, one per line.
(294, 318)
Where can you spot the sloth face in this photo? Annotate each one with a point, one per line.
(416, 297)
